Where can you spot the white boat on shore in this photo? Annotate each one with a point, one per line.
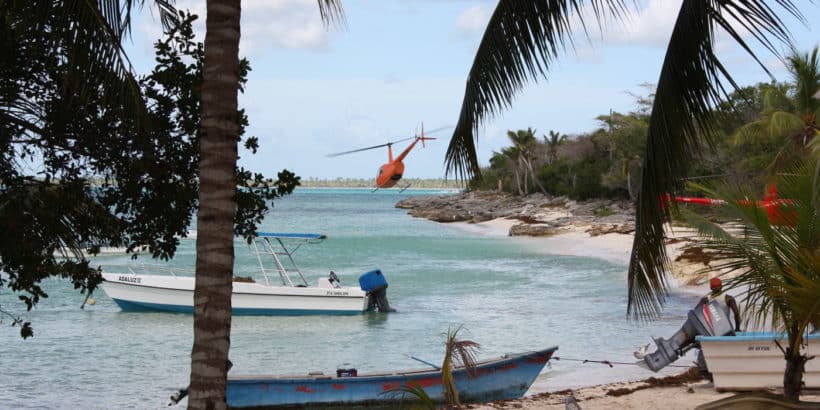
(752, 360)
(172, 293)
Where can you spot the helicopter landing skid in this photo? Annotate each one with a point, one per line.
(405, 187)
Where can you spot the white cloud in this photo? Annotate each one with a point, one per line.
(651, 26)
(472, 21)
(289, 24)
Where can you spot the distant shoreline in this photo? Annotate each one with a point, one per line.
(417, 183)
(410, 189)
(597, 228)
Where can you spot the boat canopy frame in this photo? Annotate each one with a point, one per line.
(287, 245)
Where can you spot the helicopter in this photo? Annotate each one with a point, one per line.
(391, 172)
(776, 208)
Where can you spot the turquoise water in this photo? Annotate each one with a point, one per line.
(508, 297)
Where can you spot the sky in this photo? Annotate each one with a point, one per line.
(396, 64)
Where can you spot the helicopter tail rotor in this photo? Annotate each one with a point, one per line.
(422, 138)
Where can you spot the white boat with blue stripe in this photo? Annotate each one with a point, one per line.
(293, 296)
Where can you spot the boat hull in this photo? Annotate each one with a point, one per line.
(504, 378)
(136, 293)
(752, 361)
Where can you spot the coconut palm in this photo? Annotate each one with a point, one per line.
(777, 265)
(519, 149)
(513, 154)
(553, 142)
(799, 120)
(217, 191)
(524, 142)
(524, 38)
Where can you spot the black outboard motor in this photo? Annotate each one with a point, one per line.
(708, 319)
(375, 284)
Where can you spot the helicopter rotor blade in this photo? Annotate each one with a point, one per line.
(438, 129)
(368, 148)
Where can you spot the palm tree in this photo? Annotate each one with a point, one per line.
(779, 263)
(219, 133)
(215, 218)
(553, 142)
(518, 139)
(524, 142)
(513, 153)
(799, 121)
(524, 38)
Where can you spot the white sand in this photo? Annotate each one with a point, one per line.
(613, 247)
(681, 397)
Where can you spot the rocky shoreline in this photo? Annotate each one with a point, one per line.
(598, 222)
(537, 214)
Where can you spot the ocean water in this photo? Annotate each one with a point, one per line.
(507, 296)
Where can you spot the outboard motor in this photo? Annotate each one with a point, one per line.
(708, 319)
(375, 284)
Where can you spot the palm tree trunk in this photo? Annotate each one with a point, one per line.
(518, 180)
(217, 207)
(795, 366)
(521, 164)
(535, 177)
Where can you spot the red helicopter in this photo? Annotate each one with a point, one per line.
(391, 172)
(776, 208)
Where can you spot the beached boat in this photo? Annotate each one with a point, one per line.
(172, 293)
(503, 378)
(752, 361)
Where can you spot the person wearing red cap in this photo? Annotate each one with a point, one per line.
(716, 285)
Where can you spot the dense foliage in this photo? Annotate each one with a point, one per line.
(79, 170)
(606, 162)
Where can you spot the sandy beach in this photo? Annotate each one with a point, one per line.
(682, 391)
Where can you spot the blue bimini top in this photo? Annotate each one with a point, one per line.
(291, 235)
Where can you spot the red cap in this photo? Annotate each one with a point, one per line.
(715, 283)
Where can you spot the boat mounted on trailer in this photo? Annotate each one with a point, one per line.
(293, 296)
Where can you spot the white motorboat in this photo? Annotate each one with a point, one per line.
(172, 293)
(753, 361)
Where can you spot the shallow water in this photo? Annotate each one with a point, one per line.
(508, 297)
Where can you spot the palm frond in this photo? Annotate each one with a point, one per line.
(750, 131)
(520, 43)
(88, 35)
(682, 123)
(782, 123)
(805, 69)
(814, 144)
(456, 351)
(776, 265)
(332, 12)
(413, 391)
